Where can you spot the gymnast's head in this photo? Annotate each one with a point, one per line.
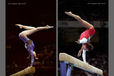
(88, 46)
(85, 44)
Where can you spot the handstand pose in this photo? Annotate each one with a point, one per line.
(85, 36)
(29, 45)
(84, 39)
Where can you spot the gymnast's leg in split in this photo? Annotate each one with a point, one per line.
(85, 36)
(29, 45)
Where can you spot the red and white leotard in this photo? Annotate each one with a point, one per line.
(86, 35)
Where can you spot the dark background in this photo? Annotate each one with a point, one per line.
(34, 13)
(87, 9)
(68, 35)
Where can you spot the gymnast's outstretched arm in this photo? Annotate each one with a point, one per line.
(80, 52)
(83, 22)
(83, 52)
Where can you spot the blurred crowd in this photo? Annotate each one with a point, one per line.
(46, 62)
(47, 56)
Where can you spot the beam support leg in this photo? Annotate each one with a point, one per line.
(69, 70)
(63, 68)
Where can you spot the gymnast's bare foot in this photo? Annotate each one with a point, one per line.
(49, 26)
(87, 62)
(73, 15)
(20, 26)
(68, 13)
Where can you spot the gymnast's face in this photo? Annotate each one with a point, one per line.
(88, 46)
(84, 46)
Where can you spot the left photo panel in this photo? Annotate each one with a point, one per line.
(30, 38)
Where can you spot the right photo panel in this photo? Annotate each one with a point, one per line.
(83, 38)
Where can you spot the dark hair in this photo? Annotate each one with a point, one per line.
(29, 42)
(89, 46)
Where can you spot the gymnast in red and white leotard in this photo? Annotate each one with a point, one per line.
(85, 36)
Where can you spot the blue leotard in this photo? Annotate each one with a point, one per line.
(29, 47)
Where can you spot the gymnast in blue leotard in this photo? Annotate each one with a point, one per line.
(29, 45)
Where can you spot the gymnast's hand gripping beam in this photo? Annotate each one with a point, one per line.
(63, 57)
(28, 70)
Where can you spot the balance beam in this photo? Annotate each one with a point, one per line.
(79, 64)
(28, 70)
